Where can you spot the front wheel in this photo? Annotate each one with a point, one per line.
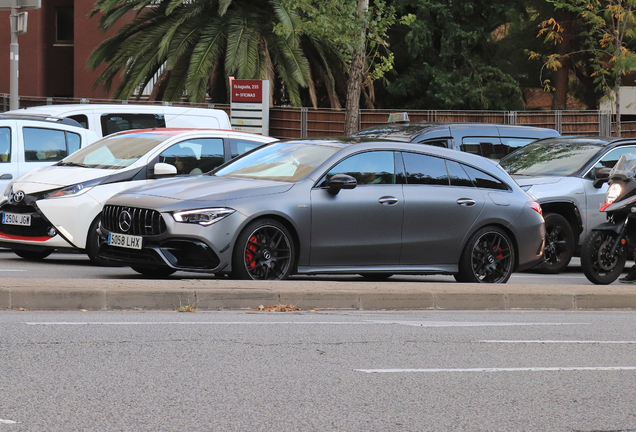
(487, 258)
(559, 244)
(263, 251)
(32, 255)
(154, 271)
(598, 265)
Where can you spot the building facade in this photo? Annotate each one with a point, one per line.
(53, 53)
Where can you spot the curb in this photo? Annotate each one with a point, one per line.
(212, 295)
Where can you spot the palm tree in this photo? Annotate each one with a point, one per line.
(195, 45)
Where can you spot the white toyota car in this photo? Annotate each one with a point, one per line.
(59, 206)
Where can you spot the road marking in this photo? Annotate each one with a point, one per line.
(557, 342)
(520, 369)
(7, 421)
(10, 270)
(370, 322)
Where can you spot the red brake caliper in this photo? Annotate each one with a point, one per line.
(250, 251)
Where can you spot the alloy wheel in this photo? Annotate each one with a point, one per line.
(491, 258)
(268, 253)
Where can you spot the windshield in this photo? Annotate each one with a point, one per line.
(551, 157)
(626, 165)
(288, 162)
(115, 152)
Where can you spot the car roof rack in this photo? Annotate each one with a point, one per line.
(40, 117)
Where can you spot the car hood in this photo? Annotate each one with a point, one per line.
(52, 177)
(523, 180)
(207, 188)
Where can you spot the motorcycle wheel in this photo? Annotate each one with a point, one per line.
(598, 267)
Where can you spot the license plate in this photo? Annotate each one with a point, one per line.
(16, 219)
(124, 240)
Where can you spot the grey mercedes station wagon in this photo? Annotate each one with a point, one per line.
(331, 206)
(493, 141)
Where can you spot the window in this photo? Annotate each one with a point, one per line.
(64, 25)
(112, 123)
(48, 145)
(483, 180)
(424, 169)
(610, 159)
(240, 146)
(5, 144)
(458, 176)
(370, 168)
(436, 142)
(195, 156)
(81, 119)
(489, 147)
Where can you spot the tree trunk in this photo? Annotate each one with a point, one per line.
(560, 98)
(356, 72)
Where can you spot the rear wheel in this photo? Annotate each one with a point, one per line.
(487, 258)
(154, 271)
(598, 265)
(32, 255)
(559, 244)
(264, 251)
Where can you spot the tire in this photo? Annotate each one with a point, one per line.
(559, 244)
(154, 271)
(597, 266)
(488, 257)
(264, 250)
(92, 244)
(376, 276)
(32, 255)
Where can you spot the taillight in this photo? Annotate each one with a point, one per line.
(535, 206)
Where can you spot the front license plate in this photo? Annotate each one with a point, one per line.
(124, 240)
(16, 219)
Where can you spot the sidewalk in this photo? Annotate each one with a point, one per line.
(122, 294)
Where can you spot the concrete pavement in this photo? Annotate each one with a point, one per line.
(172, 294)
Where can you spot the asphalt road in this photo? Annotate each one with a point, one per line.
(265, 371)
(72, 265)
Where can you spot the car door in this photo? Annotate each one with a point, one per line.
(439, 209)
(595, 197)
(360, 226)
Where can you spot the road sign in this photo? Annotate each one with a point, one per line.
(250, 106)
(20, 4)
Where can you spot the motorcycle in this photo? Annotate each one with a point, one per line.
(607, 246)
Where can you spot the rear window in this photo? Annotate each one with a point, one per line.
(112, 123)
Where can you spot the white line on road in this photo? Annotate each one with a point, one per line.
(557, 342)
(10, 270)
(520, 369)
(7, 421)
(260, 323)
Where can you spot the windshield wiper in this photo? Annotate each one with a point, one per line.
(61, 163)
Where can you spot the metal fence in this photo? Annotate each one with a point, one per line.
(291, 122)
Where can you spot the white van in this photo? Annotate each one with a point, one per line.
(34, 141)
(106, 119)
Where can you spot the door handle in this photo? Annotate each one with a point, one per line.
(6, 177)
(466, 202)
(388, 200)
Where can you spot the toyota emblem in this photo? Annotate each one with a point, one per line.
(18, 197)
(125, 221)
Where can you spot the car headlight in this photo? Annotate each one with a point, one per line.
(613, 192)
(204, 217)
(8, 191)
(74, 190)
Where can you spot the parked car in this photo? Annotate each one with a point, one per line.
(331, 206)
(560, 174)
(33, 141)
(106, 119)
(59, 207)
(493, 141)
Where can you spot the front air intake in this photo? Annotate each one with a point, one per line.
(133, 221)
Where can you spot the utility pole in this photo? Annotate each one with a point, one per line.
(18, 26)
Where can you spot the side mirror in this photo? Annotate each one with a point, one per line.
(163, 169)
(602, 176)
(341, 181)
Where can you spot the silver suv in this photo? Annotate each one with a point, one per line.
(560, 173)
